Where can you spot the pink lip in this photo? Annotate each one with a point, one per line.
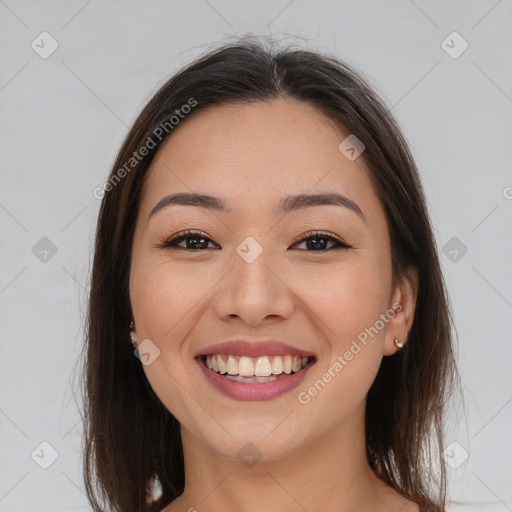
(254, 349)
(254, 391)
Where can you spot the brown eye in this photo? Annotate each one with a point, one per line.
(318, 241)
(188, 240)
(196, 240)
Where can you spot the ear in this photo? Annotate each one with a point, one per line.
(403, 302)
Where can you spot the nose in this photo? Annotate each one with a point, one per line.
(255, 293)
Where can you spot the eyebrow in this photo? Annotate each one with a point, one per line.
(288, 204)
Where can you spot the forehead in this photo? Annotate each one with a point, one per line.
(254, 154)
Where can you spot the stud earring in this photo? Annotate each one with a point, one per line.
(398, 343)
(133, 336)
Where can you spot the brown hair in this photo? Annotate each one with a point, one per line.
(131, 440)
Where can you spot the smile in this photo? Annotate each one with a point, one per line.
(248, 378)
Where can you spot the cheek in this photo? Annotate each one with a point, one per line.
(164, 300)
(346, 298)
(347, 304)
(162, 296)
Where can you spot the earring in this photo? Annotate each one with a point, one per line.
(398, 343)
(133, 336)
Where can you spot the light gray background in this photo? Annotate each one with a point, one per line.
(64, 117)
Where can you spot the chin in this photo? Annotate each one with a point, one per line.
(263, 439)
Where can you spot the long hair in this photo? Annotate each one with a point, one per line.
(131, 441)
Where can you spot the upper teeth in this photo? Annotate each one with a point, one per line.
(255, 366)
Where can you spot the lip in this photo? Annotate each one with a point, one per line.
(253, 348)
(255, 391)
(257, 348)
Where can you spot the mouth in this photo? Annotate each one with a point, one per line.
(262, 371)
(251, 370)
(254, 370)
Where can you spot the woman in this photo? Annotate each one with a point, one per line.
(268, 327)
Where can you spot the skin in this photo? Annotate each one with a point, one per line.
(312, 456)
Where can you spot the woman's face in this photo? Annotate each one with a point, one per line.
(245, 275)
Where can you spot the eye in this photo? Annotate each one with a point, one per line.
(317, 241)
(193, 240)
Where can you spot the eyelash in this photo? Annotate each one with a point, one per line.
(172, 242)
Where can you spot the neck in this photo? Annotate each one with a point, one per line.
(329, 473)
